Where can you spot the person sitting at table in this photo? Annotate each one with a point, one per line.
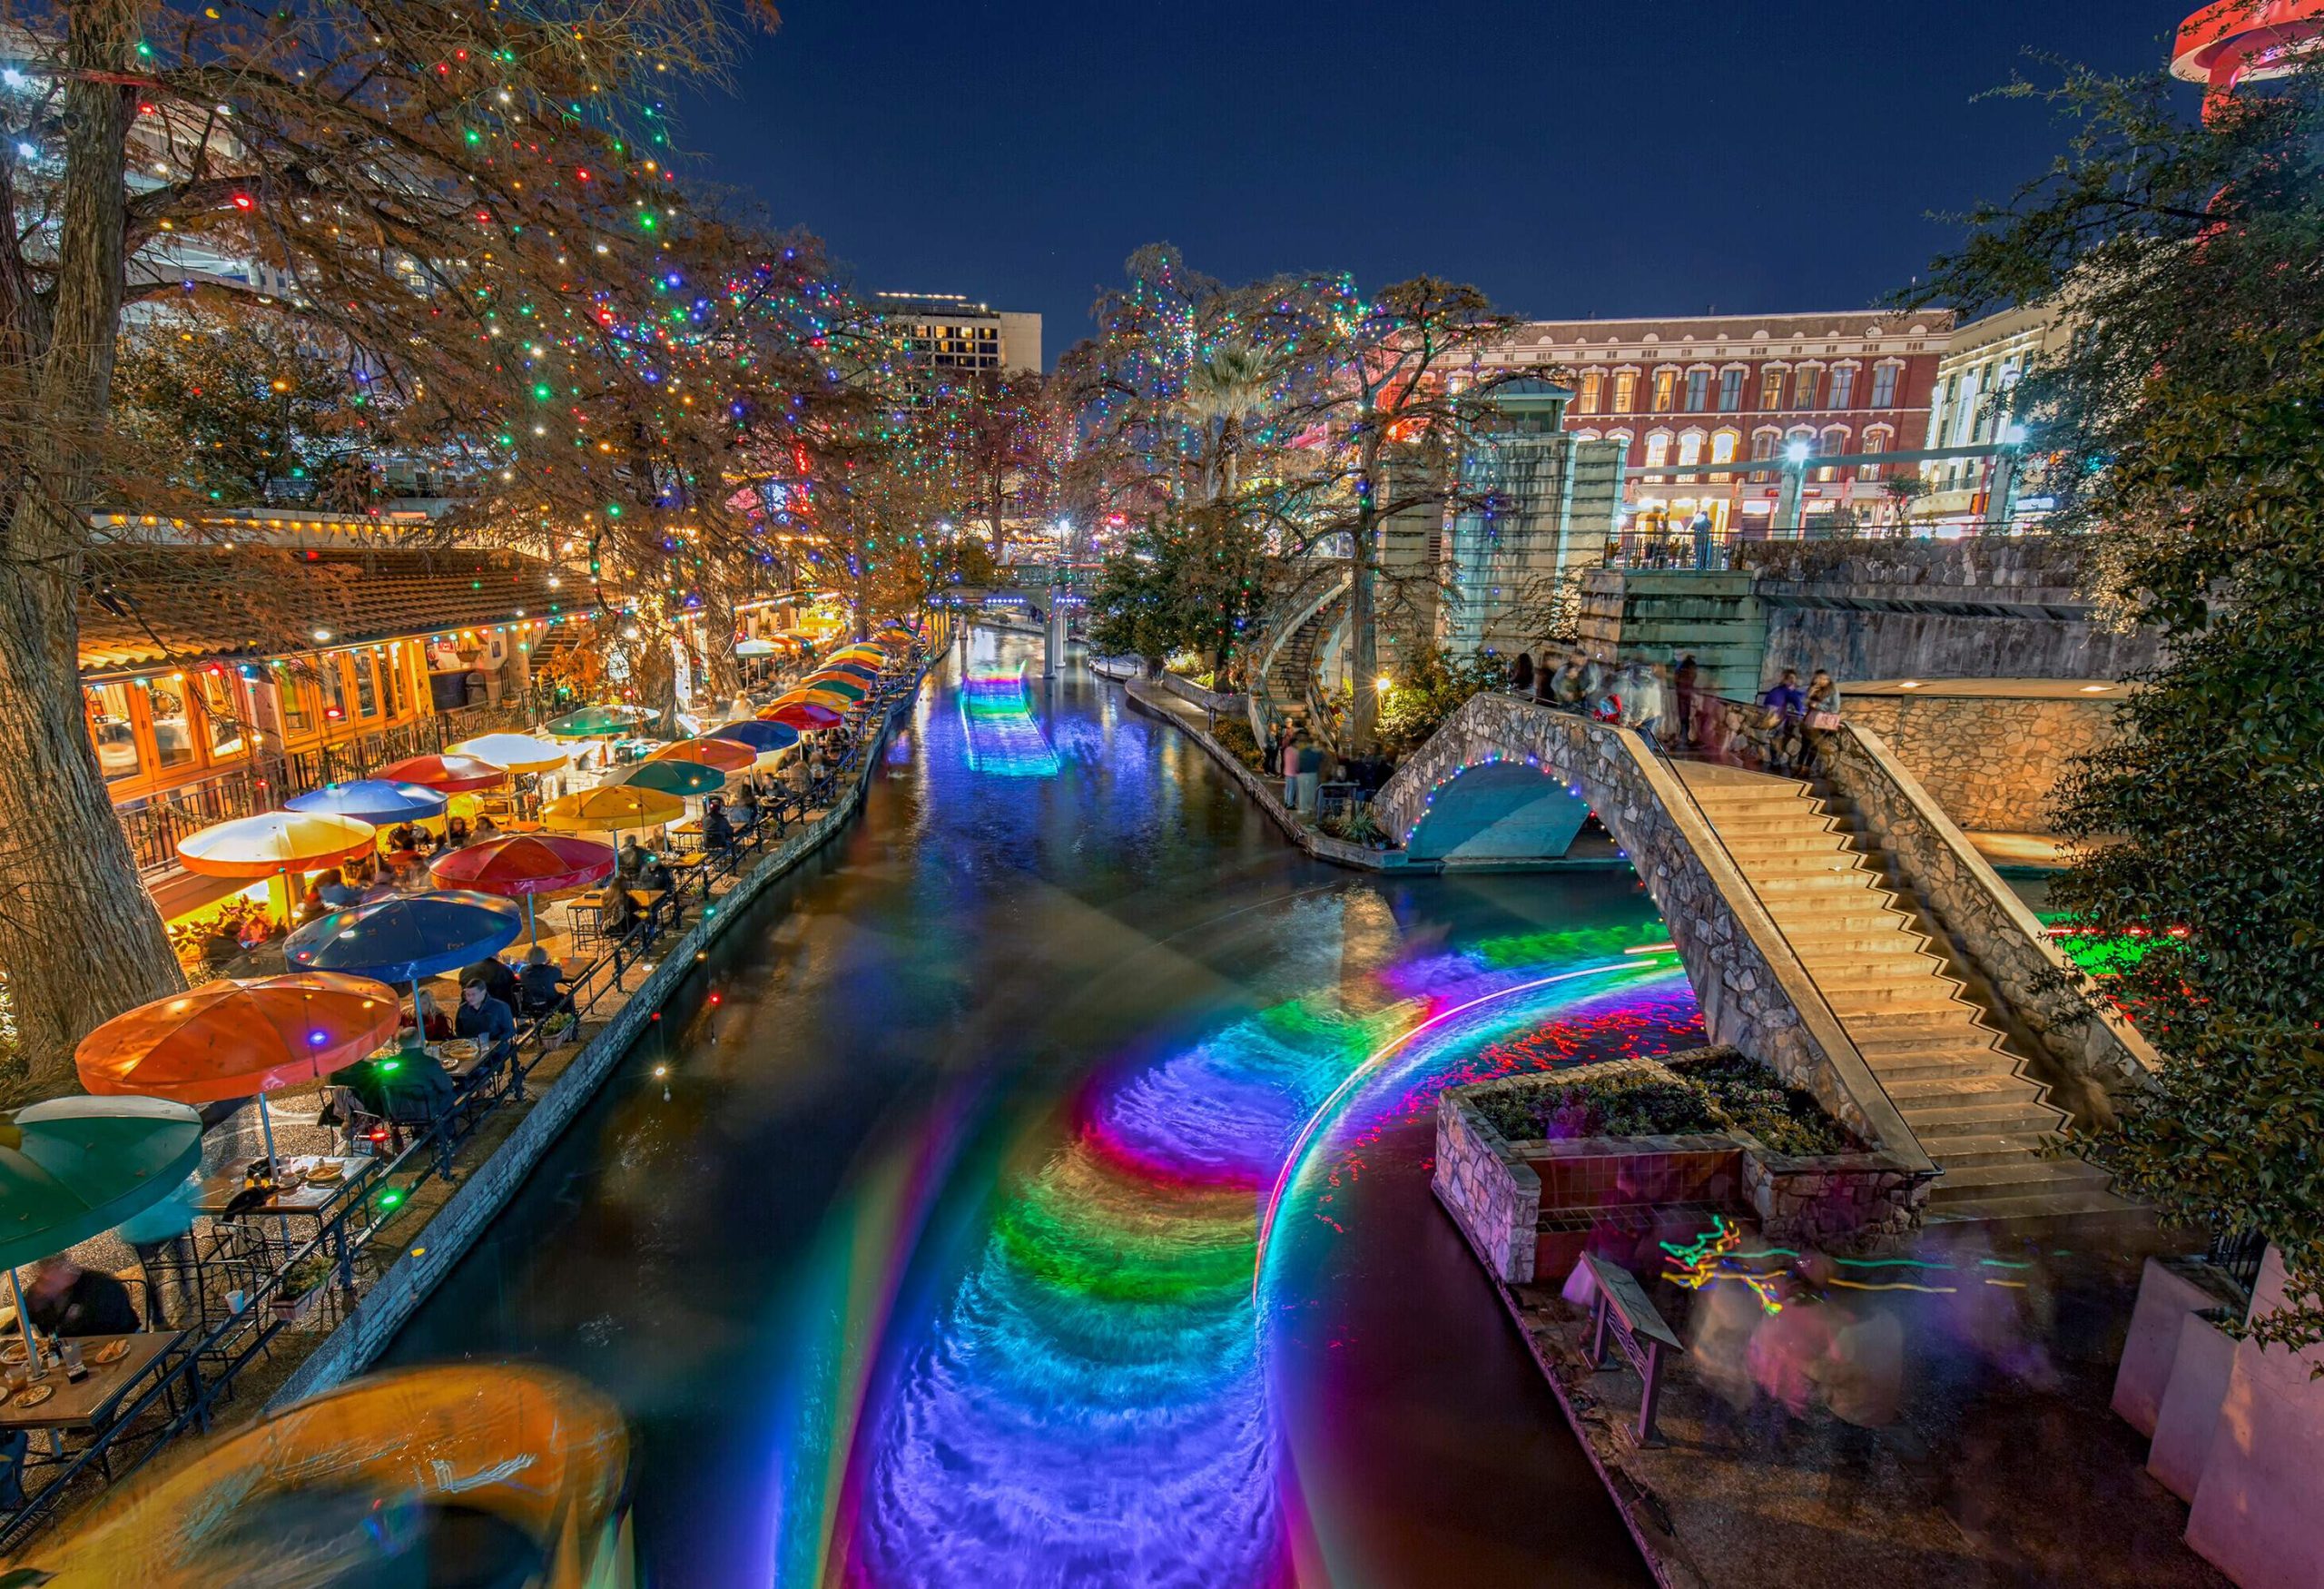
(485, 1018)
(402, 841)
(431, 1025)
(631, 861)
(540, 986)
(486, 828)
(455, 833)
(335, 890)
(500, 979)
(62, 1298)
(620, 912)
(746, 805)
(717, 830)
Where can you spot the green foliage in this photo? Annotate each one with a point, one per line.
(1428, 687)
(1236, 735)
(1709, 1096)
(2187, 253)
(1194, 583)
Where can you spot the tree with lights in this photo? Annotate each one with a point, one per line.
(2181, 422)
(449, 191)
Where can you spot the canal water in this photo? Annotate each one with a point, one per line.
(1034, 1190)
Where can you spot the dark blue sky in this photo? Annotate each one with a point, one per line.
(1571, 159)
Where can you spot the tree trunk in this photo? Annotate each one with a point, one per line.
(80, 940)
(1362, 639)
(999, 528)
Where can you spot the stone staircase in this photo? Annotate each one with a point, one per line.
(1950, 1072)
(1287, 677)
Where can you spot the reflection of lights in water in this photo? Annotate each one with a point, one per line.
(1003, 739)
(1091, 1403)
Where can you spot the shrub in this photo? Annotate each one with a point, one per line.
(1235, 735)
(1725, 1094)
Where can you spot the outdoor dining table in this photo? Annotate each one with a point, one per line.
(325, 1203)
(89, 1402)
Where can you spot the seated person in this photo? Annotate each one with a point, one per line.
(620, 913)
(631, 861)
(334, 888)
(66, 1299)
(500, 979)
(223, 945)
(413, 1091)
(717, 829)
(455, 833)
(540, 985)
(485, 1018)
(432, 1025)
(746, 805)
(486, 828)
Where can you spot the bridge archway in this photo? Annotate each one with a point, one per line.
(1498, 811)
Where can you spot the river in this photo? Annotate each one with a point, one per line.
(1033, 1190)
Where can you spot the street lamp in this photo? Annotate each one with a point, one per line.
(1797, 451)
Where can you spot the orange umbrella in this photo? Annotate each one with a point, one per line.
(802, 713)
(451, 773)
(725, 755)
(232, 1039)
(272, 842)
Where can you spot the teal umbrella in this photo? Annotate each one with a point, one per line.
(594, 722)
(673, 777)
(73, 1166)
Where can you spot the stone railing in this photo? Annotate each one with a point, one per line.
(1755, 994)
(1987, 923)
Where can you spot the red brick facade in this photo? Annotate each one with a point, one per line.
(1700, 390)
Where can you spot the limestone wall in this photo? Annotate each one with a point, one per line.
(1990, 764)
(1755, 994)
(1494, 1193)
(2094, 1049)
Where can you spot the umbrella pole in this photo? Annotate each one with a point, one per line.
(24, 1321)
(418, 1021)
(266, 1129)
(532, 921)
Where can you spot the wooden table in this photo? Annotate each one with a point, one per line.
(305, 1202)
(88, 1403)
(685, 863)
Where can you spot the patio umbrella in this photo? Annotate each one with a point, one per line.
(372, 800)
(527, 865)
(451, 773)
(273, 843)
(726, 754)
(840, 684)
(802, 714)
(754, 648)
(404, 939)
(867, 672)
(610, 807)
(234, 1039)
(73, 1166)
(672, 776)
(520, 753)
(761, 737)
(595, 721)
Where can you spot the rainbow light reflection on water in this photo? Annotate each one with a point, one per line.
(1092, 1403)
(997, 723)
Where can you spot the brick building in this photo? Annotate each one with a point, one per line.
(1706, 388)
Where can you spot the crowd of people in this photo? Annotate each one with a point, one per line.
(1305, 765)
(1784, 728)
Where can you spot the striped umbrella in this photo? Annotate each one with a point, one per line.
(672, 777)
(525, 865)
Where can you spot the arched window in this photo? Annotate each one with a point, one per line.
(1722, 446)
(1843, 385)
(1730, 389)
(1658, 448)
(1690, 448)
(1666, 390)
(1697, 390)
(1593, 385)
(1771, 387)
(1625, 390)
(1878, 438)
(1622, 438)
(1884, 384)
(1804, 382)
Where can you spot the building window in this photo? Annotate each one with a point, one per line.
(1623, 441)
(1697, 390)
(1763, 446)
(1802, 387)
(1690, 448)
(221, 715)
(290, 698)
(1883, 385)
(1625, 389)
(1592, 385)
(1722, 446)
(1876, 439)
(333, 690)
(391, 685)
(172, 724)
(1730, 392)
(367, 688)
(1771, 391)
(111, 731)
(1666, 390)
(1843, 385)
(1658, 448)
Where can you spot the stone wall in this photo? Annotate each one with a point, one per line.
(1666, 613)
(1991, 763)
(1755, 994)
(2095, 1050)
(1493, 1193)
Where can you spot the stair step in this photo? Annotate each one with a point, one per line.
(1854, 886)
(2014, 1178)
(1871, 1016)
(1807, 920)
(2065, 1207)
(1967, 1063)
(1798, 863)
(1880, 1044)
(1987, 1148)
(1998, 1115)
(1960, 1091)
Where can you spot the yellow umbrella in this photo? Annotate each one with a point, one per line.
(609, 807)
(273, 844)
(520, 753)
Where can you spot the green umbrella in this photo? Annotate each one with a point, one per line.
(673, 777)
(594, 722)
(73, 1166)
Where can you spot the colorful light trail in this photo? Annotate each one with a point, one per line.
(1002, 735)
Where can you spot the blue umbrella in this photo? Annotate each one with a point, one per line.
(373, 800)
(760, 737)
(408, 937)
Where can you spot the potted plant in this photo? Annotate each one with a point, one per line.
(303, 1282)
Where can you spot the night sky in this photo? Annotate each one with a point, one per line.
(1570, 159)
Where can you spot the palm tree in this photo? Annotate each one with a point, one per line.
(1226, 384)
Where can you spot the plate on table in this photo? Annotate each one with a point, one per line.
(33, 1394)
(326, 1174)
(459, 1052)
(110, 1352)
(12, 1353)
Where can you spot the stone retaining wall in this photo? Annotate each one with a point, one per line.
(2098, 1052)
(373, 1323)
(1491, 1192)
(1755, 994)
(1992, 764)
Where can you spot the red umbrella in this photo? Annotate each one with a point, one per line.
(451, 773)
(728, 755)
(802, 714)
(525, 865)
